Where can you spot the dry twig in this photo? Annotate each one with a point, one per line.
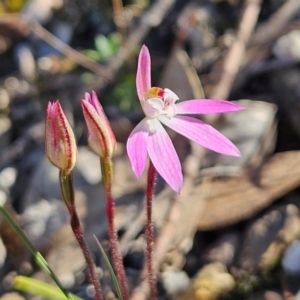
(235, 55)
(152, 18)
(105, 75)
(267, 33)
(26, 26)
(71, 53)
(265, 36)
(119, 17)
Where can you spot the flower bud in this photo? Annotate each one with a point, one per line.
(60, 141)
(101, 137)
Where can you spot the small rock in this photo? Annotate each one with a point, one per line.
(212, 281)
(175, 281)
(89, 165)
(40, 11)
(4, 100)
(3, 197)
(223, 250)
(288, 46)
(289, 232)
(268, 236)
(67, 279)
(12, 296)
(25, 59)
(291, 259)
(43, 218)
(3, 253)
(297, 296)
(8, 177)
(5, 126)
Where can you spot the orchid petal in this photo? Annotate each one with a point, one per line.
(201, 133)
(137, 147)
(164, 157)
(170, 96)
(152, 107)
(94, 101)
(143, 75)
(206, 106)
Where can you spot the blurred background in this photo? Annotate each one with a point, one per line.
(234, 230)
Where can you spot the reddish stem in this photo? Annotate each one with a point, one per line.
(76, 227)
(106, 167)
(151, 178)
(67, 188)
(115, 252)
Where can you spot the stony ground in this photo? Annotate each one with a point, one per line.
(234, 230)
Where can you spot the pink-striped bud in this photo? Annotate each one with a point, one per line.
(101, 137)
(60, 141)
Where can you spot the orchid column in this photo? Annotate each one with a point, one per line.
(62, 152)
(150, 137)
(102, 141)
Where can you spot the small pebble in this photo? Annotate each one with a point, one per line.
(291, 259)
(288, 46)
(8, 177)
(175, 282)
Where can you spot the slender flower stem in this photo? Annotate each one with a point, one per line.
(106, 168)
(151, 178)
(67, 188)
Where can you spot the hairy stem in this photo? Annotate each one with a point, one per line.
(106, 168)
(151, 178)
(67, 188)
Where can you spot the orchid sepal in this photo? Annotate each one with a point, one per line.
(101, 137)
(60, 141)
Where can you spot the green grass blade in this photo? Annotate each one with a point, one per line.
(110, 268)
(37, 287)
(41, 262)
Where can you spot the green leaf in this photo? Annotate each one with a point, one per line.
(110, 269)
(92, 54)
(104, 47)
(41, 262)
(88, 77)
(37, 287)
(116, 40)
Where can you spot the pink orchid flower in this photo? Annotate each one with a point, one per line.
(160, 107)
